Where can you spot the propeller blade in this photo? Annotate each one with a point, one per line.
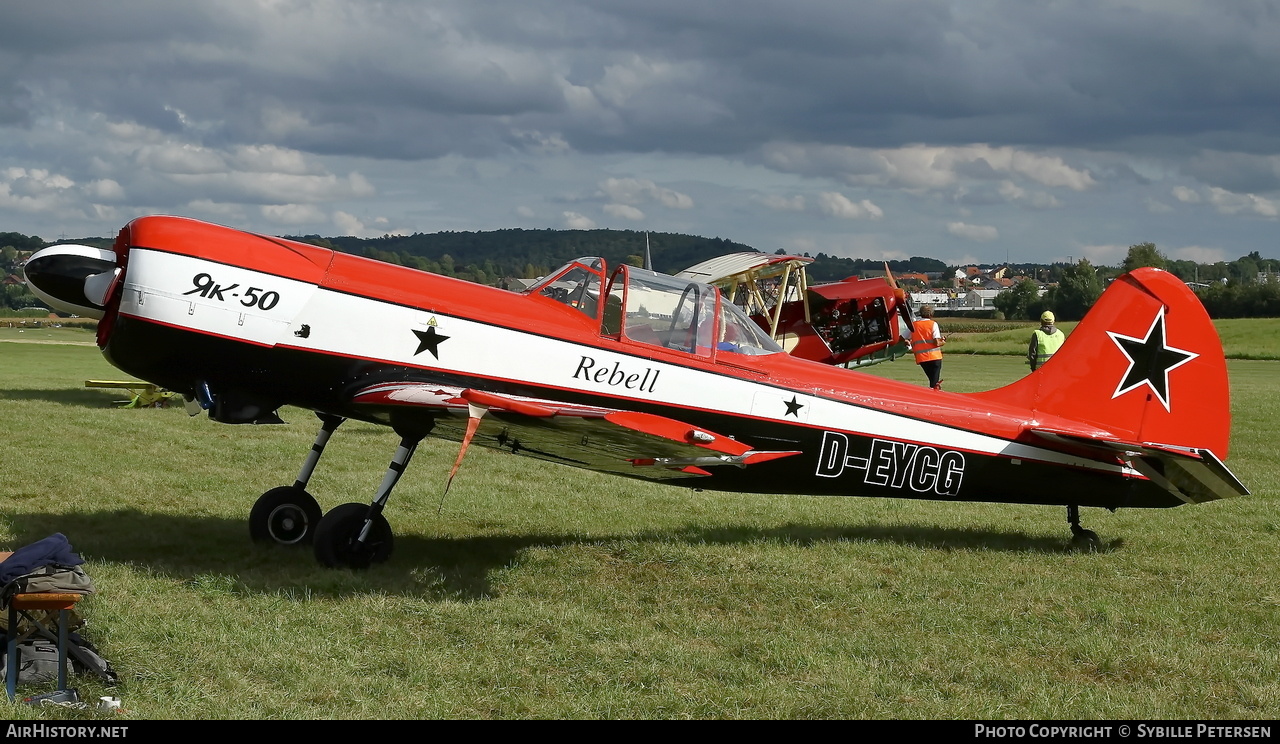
(888, 276)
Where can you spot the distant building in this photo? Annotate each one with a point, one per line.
(980, 299)
(937, 298)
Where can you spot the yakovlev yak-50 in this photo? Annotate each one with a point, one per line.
(639, 374)
(852, 321)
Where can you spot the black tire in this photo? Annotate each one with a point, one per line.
(335, 541)
(1086, 540)
(286, 515)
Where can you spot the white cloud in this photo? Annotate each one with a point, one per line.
(35, 190)
(624, 211)
(271, 159)
(635, 191)
(348, 224)
(541, 143)
(826, 203)
(220, 211)
(103, 190)
(1103, 255)
(981, 233)
(1037, 199)
(1199, 254)
(838, 205)
(783, 203)
(575, 221)
(173, 158)
(1155, 206)
(293, 214)
(1227, 202)
(1185, 195)
(923, 167)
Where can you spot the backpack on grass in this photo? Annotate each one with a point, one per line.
(38, 660)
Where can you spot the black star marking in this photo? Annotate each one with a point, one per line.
(428, 340)
(1150, 360)
(793, 407)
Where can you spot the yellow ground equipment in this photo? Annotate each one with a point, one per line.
(145, 394)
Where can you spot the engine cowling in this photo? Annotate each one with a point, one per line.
(76, 279)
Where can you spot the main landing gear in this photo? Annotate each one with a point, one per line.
(350, 535)
(1081, 539)
(288, 515)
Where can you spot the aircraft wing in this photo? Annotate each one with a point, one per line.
(741, 266)
(623, 442)
(1192, 474)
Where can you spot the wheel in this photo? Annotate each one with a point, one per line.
(335, 542)
(286, 515)
(1086, 540)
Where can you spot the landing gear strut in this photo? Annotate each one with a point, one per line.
(288, 515)
(355, 535)
(1080, 537)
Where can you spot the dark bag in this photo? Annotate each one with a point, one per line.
(38, 660)
(53, 549)
(52, 577)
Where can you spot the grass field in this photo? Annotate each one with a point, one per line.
(539, 591)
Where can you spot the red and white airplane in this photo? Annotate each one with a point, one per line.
(639, 374)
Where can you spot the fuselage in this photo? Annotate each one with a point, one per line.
(263, 322)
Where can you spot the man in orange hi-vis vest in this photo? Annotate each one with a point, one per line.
(926, 343)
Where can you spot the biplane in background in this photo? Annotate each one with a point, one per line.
(852, 322)
(142, 394)
(637, 374)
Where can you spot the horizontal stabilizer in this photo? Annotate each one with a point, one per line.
(1192, 474)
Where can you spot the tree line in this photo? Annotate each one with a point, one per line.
(1228, 289)
(1248, 287)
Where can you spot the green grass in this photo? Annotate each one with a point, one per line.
(540, 591)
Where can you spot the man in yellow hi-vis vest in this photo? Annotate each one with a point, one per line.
(926, 344)
(1046, 340)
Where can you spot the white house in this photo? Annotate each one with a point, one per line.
(976, 299)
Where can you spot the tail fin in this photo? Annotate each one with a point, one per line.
(1146, 363)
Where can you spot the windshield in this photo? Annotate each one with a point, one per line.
(681, 314)
(576, 284)
(741, 334)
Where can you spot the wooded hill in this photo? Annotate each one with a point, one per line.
(489, 256)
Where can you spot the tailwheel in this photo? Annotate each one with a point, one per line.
(1086, 540)
(338, 538)
(1082, 539)
(286, 515)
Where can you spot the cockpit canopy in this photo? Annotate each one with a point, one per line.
(651, 308)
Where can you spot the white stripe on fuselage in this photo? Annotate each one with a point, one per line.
(197, 294)
(212, 297)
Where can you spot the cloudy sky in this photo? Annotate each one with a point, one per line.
(965, 130)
